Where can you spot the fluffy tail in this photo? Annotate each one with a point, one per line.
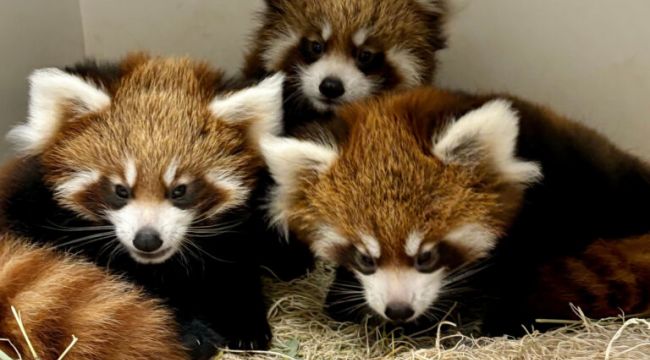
(59, 297)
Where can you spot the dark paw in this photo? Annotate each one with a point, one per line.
(257, 337)
(201, 341)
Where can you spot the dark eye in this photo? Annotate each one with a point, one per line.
(366, 264)
(178, 192)
(122, 192)
(316, 47)
(364, 57)
(426, 261)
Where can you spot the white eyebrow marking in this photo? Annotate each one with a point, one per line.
(360, 37)
(77, 182)
(327, 238)
(238, 191)
(327, 31)
(478, 238)
(413, 241)
(371, 244)
(408, 65)
(170, 173)
(130, 172)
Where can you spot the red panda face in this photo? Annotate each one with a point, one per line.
(340, 51)
(412, 194)
(161, 158)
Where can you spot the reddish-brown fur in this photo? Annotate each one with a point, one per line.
(403, 24)
(59, 296)
(386, 182)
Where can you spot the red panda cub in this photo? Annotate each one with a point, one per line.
(58, 297)
(147, 167)
(334, 52)
(433, 198)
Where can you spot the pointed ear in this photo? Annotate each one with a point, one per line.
(54, 97)
(289, 160)
(259, 105)
(487, 136)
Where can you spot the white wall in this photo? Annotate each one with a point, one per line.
(214, 30)
(33, 34)
(588, 59)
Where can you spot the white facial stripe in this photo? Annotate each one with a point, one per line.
(130, 172)
(326, 240)
(77, 182)
(371, 244)
(356, 84)
(475, 237)
(170, 173)
(413, 241)
(327, 31)
(360, 37)
(274, 53)
(408, 66)
(170, 222)
(405, 285)
(238, 192)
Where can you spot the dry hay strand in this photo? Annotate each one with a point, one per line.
(34, 354)
(303, 331)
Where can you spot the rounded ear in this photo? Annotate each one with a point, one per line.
(487, 136)
(259, 106)
(289, 160)
(54, 97)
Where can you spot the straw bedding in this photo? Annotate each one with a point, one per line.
(303, 331)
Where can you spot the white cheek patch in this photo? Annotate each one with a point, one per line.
(431, 6)
(238, 192)
(475, 238)
(326, 240)
(169, 221)
(276, 50)
(371, 244)
(401, 285)
(357, 85)
(407, 65)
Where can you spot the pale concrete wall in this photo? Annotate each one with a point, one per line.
(589, 59)
(213, 30)
(33, 34)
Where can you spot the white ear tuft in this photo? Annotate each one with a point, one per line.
(51, 90)
(287, 159)
(488, 133)
(261, 104)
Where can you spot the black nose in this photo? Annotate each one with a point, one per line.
(331, 87)
(399, 311)
(147, 240)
